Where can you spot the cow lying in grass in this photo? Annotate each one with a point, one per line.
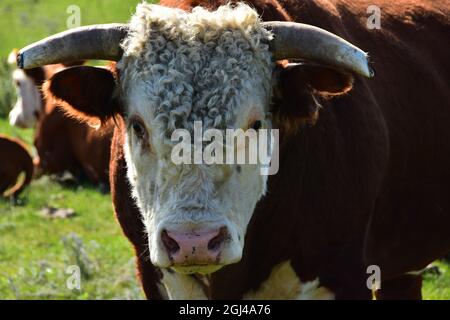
(14, 160)
(62, 142)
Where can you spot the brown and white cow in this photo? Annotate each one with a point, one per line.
(66, 144)
(367, 185)
(14, 160)
(30, 99)
(81, 150)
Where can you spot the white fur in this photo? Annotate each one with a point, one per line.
(177, 286)
(181, 67)
(28, 103)
(282, 284)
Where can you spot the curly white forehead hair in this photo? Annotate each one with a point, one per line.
(196, 65)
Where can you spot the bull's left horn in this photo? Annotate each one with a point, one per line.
(302, 41)
(100, 42)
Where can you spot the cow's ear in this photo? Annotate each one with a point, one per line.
(300, 87)
(321, 79)
(85, 92)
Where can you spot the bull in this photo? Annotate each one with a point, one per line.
(365, 185)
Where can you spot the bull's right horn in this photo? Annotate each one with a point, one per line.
(294, 40)
(100, 42)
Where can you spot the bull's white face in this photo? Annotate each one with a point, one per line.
(28, 105)
(189, 198)
(196, 215)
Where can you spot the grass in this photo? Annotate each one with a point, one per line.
(7, 91)
(35, 252)
(437, 286)
(26, 21)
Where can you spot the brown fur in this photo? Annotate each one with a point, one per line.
(14, 159)
(73, 84)
(311, 84)
(128, 214)
(367, 184)
(39, 75)
(269, 9)
(64, 143)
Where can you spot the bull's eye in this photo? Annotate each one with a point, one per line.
(256, 125)
(138, 128)
(17, 83)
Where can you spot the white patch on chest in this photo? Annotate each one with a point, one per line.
(181, 287)
(282, 284)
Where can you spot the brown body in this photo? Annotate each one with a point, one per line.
(14, 160)
(368, 184)
(66, 144)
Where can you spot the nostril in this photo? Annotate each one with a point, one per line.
(170, 244)
(215, 243)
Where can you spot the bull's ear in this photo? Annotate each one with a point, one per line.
(85, 92)
(300, 87)
(323, 80)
